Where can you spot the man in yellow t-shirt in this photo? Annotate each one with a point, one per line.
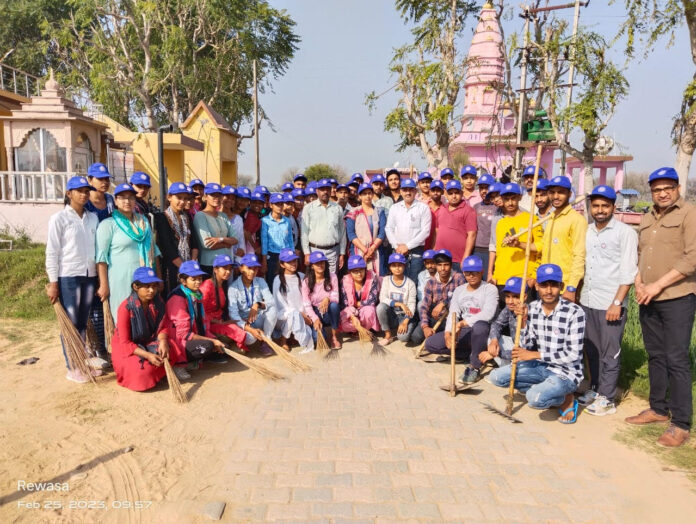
(509, 256)
(564, 237)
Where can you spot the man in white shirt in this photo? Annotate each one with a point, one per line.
(611, 264)
(408, 227)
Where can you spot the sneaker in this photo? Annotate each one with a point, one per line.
(469, 376)
(181, 373)
(587, 398)
(75, 376)
(601, 406)
(265, 350)
(97, 363)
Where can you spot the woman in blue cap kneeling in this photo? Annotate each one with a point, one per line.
(141, 341)
(287, 290)
(359, 297)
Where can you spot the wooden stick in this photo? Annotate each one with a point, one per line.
(109, 327)
(543, 220)
(453, 345)
(418, 350)
(523, 290)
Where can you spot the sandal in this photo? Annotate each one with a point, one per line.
(386, 341)
(573, 409)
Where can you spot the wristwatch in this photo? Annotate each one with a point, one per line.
(616, 302)
(571, 289)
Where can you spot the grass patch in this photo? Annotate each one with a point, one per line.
(682, 459)
(23, 283)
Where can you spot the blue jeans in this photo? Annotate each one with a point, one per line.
(76, 297)
(331, 317)
(390, 318)
(265, 321)
(542, 387)
(415, 263)
(272, 263)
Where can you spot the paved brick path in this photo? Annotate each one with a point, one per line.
(363, 439)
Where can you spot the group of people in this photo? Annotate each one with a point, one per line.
(395, 256)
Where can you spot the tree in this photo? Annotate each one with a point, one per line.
(601, 86)
(648, 22)
(429, 75)
(319, 171)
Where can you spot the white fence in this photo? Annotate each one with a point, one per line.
(18, 82)
(33, 187)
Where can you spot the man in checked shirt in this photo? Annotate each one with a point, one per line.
(549, 367)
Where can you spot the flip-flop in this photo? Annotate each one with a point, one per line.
(574, 410)
(387, 341)
(434, 357)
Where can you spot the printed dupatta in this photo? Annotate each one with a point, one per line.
(369, 295)
(365, 234)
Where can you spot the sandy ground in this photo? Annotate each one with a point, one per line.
(118, 449)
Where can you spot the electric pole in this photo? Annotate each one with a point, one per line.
(522, 107)
(256, 126)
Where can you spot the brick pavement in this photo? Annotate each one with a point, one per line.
(363, 439)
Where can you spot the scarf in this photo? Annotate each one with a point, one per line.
(349, 287)
(182, 232)
(366, 234)
(138, 230)
(195, 309)
(143, 329)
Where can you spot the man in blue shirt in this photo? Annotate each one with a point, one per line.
(276, 235)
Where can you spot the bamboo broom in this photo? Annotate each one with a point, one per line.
(109, 326)
(92, 337)
(324, 348)
(253, 365)
(174, 385)
(294, 362)
(418, 350)
(75, 350)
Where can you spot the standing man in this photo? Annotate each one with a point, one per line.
(378, 183)
(393, 186)
(299, 181)
(342, 194)
(542, 201)
(666, 292)
(526, 203)
(408, 227)
(611, 265)
(485, 211)
(456, 227)
(564, 237)
(323, 227)
(446, 175)
(424, 180)
(469, 176)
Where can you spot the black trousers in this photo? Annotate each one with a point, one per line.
(603, 350)
(667, 328)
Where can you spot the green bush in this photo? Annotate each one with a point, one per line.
(23, 283)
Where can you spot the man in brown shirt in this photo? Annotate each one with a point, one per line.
(666, 292)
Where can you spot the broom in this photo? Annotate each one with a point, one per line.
(253, 365)
(294, 362)
(324, 348)
(109, 327)
(92, 338)
(420, 348)
(367, 339)
(75, 350)
(174, 384)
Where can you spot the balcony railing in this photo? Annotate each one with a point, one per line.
(35, 187)
(18, 82)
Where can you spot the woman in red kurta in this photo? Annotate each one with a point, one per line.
(215, 302)
(140, 342)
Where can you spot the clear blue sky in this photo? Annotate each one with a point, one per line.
(318, 108)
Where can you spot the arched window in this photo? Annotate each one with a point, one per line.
(40, 152)
(83, 156)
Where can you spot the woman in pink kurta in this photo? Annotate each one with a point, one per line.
(320, 296)
(359, 297)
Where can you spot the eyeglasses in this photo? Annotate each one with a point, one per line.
(666, 189)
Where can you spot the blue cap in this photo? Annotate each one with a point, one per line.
(428, 254)
(472, 263)
(468, 170)
(446, 171)
(356, 262)
(287, 187)
(408, 183)
(287, 197)
(342, 186)
(437, 184)
(98, 171)
(189, 190)
(323, 183)
(310, 191)
(257, 197)
(363, 187)
(191, 268)
(299, 176)
(222, 260)
(212, 187)
(287, 255)
(444, 252)
(486, 180)
(542, 184)
(122, 188)
(243, 192)
(355, 176)
(424, 176)
(560, 181)
(529, 171)
(511, 189)
(277, 198)
(140, 178)
(495, 188)
(378, 178)
(78, 182)
(229, 190)
(145, 275)
(604, 192)
(196, 182)
(333, 181)
(513, 285)
(262, 189)
(667, 173)
(317, 256)
(397, 258)
(453, 184)
(297, 193)
(549, 272)
(178, 188)
(250, 260)
(312, 184)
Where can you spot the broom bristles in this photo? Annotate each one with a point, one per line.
(75, 350)
(92, 338)
(109, 327)
(294, 362)
(254, 366)
(174, 385)
(365, 336)
(324, 348)
(378, 350)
